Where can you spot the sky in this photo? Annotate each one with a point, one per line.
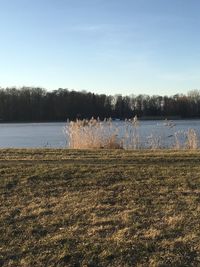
(103, 46)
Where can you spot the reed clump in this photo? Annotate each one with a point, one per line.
(93, 134)
(186, 139)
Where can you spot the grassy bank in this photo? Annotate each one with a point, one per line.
(99, 208)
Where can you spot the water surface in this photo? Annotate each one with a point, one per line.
(30, 135)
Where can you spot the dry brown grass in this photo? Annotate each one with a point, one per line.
(99, 208)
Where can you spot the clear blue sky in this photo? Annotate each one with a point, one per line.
(104, 46)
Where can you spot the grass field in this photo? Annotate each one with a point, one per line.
(99, 208)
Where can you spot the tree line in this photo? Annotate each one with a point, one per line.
(29, 104)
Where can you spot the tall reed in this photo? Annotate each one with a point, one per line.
(192, 141)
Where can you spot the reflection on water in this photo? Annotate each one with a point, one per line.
(52, 134)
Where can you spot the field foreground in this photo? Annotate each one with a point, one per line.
(99, 208)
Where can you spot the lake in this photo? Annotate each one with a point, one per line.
(41, 135)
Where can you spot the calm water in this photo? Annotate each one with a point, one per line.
(32, 135)
(21, 135)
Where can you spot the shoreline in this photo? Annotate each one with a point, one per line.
(114, 119)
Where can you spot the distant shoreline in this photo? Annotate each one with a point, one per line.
(150, 118)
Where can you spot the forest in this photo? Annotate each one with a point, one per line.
(31, 104)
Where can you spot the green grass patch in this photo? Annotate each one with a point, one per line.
(99, 208)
